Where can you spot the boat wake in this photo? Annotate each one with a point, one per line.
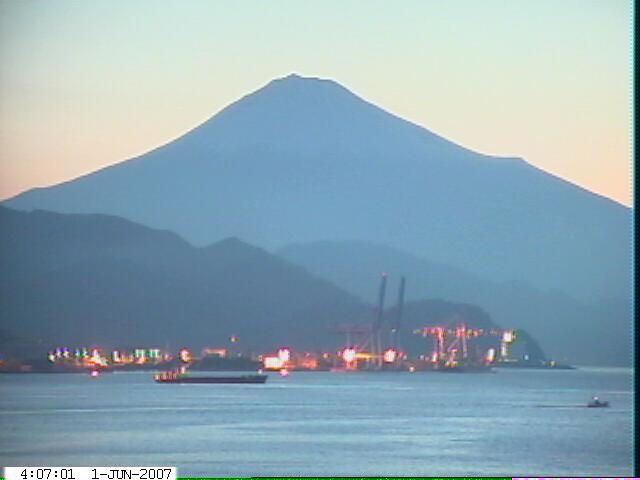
(573, 405)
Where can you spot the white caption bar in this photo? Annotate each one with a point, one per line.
(90, 473)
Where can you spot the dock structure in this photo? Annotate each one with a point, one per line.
(364, 348)
(451, 344)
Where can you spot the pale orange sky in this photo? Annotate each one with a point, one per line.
(85, 85)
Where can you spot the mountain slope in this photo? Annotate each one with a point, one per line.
(96, 278)
(579, 332)
(304, 159)
(87, 279)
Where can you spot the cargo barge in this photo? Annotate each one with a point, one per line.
(182, 378)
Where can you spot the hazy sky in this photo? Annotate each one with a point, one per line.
(85, 84)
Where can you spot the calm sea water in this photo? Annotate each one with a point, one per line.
(520, 423)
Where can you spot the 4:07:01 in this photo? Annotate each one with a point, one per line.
(46, 474)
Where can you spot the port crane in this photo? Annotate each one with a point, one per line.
(369, 347)
(451, 343)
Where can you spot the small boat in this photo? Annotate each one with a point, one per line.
(596, 403)
(175, 377)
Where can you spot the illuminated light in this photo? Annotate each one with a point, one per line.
(284, 372)
(491, 355)
(412, 369)
(215, 352)
(390, 356)
(434, 357)
(284, 354)
(365, 356)
(272, 363)
(234, 339)
(115, 355)
(52, 357)
(349, 355)
(94, 373)
(95, 357)
(309, 363)
(185, 355)
(260, 371)
(508, 336)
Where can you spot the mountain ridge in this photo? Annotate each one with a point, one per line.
(569, 329)
(117, 294)
(135, 292)
(301, 160)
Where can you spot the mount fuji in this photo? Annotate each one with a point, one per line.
(305, 159)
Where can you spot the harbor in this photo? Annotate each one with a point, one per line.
(384, 423)
(452, 346)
